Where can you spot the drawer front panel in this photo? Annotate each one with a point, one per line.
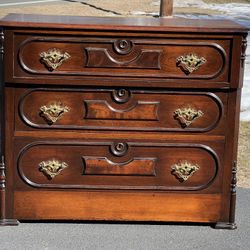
(120, 109)
(114, 57)
(119, 165)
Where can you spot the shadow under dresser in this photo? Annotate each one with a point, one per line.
(132, 119)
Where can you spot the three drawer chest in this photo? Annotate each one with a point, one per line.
(132, 119)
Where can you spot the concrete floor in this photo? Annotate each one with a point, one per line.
(130, 236)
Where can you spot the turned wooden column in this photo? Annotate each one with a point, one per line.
(166, 8)
(3, 220)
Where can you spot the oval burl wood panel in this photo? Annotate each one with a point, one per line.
(120, 109)
(118, 165)
(154, 58)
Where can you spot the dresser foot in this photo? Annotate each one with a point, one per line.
(225, 225)
(9, 222)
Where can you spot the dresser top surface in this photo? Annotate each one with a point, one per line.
(122, 23)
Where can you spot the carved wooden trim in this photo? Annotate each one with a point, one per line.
(3, 220)
(145, 111)
(207, 149)
(214, 97)
(231, 225)
(233, 193)
(103, 166)
(243, 50)
(1, 42)
(144, 59)
(2, 189)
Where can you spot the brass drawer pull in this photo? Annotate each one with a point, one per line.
(53, 58)
(53, 112)
(189, 63)
(187, 115)
(184, 170)
(52, 168)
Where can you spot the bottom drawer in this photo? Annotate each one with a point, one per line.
(107, 205)
(119, 165)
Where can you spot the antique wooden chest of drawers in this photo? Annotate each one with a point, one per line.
(120, 118)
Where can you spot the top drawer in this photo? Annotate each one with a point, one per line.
(78, 58)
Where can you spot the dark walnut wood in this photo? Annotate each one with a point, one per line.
(136, 116)
(120, 109)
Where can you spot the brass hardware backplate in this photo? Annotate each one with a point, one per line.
(53, 112)
(184, 170)
(190, 62)
(52, 168)
(187, 115)
(53, 58)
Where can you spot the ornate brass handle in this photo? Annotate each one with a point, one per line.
(187, 115)
(53, 112)
(189, 63)
(52, 168)
(53, 58)
(184, 170)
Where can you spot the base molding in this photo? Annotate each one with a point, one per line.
(9, 222)
(225, 225)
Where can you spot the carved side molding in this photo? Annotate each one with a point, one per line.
(52, 168)
(1, 42)
(3, 220)
(233, 196)
(2, 189)
(231, 225)
(243, 50)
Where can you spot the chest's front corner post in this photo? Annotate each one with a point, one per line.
(231, 224)
(3, 220)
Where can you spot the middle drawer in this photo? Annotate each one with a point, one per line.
(120, 109)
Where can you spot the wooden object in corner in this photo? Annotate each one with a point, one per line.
(166, 8)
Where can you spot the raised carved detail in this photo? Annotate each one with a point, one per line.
(187, 115)
(123, 46)
(3, 198)
(243, 50)
(121, 95)
(1, 42)
(53, 58)
(103, 166)
(52, 112)
(190, 62)
(234, 178)
(184, 170)
(101, 109)
(2, 191)
(2, 174)
(127, 58)
(52, 168)
(119, 148)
